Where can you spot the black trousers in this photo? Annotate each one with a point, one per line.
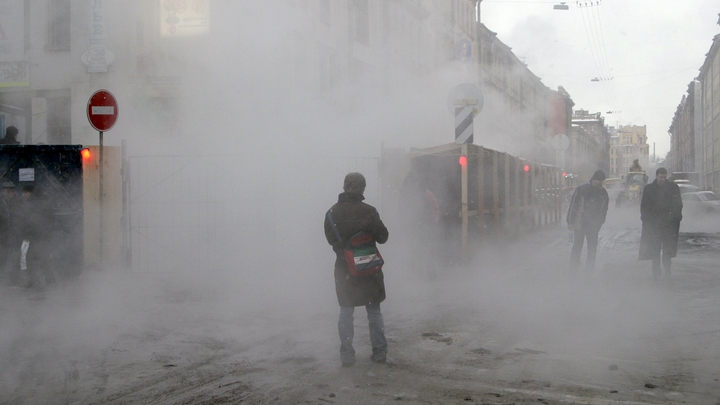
(591, 234)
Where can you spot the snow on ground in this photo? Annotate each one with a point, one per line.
(515, 326)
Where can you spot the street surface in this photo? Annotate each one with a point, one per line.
(514, 328)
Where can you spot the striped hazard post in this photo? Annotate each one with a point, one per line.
(464, 123)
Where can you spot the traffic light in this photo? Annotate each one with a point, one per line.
(564, 174)
(85, 153)
(463, 161)
(526, 168)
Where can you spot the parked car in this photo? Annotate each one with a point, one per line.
(701, 202)
(688, 188)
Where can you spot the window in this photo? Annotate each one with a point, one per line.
(59, 25)
(58, 119)
(359, 21)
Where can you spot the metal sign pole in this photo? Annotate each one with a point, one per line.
(464, 201)
(100, 201)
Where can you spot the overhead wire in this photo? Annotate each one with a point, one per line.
(608, 71)
(591, 45)
(629, 75)
(596, 41)
(649, 84)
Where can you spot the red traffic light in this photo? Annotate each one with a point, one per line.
(564, 174)
(85, 153)
(526, 168)
(463, 161)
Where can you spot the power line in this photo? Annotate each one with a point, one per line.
(629, 75)
(596, 40)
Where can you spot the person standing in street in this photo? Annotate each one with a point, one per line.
(660, 213)
(350, 215)
(10, 239)
(10, 136)
(33, 222)
(586, 215)
(636, 166)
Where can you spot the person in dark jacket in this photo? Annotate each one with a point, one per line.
(351, 216)
(10, 238)
(661, 213)
(34, 219)
(586, 214)
(10, 136)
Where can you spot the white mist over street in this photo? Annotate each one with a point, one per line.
(237, 305)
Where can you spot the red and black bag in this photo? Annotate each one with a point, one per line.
(361, 253)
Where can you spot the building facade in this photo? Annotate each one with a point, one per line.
(629, 142)
(686, 134)
(152, 54)
(594, 125)
(59, 52)
(524, 114)
(709, 128)
(582, 155)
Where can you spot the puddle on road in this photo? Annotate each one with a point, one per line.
(698, 242)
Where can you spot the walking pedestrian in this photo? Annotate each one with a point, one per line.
(350, 216)
(586, 215)
(34, 220)
(10, 239)
(10, 136)
(660, 213)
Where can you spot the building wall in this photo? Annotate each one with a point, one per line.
(682, 134)
(519, 105)
(582, 155)
(594, 124)
(710, 84)
(632, 144)
(616, 166)
(334, 42)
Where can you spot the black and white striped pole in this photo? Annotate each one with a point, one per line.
(464, 112)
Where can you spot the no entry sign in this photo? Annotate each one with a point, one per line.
(102, 110)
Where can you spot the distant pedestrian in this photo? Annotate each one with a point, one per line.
(661, 213)
(586, 215)
(10, 238)
(636, 166)
(34, 220)
(350, 215)
(10, 136)
(419, 224)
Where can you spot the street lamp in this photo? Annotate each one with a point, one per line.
(561, 6)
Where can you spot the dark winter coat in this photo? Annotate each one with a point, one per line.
(34, 226)
(588, 207)
(351, 216)
(661, 213)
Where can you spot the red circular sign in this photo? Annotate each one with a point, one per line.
(102, 110)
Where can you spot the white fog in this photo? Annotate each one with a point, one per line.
(232, 278)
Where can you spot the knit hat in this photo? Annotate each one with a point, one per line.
(599, 175)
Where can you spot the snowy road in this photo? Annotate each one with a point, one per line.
(514, 328)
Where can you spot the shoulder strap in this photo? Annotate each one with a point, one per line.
(334, 227)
